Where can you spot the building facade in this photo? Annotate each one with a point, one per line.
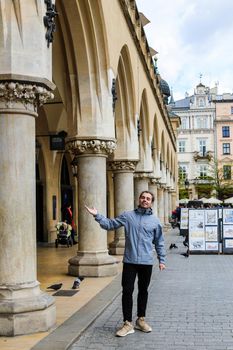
(86, 99)
(196, 145)
(224, 139)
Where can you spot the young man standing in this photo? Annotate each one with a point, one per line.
(143, 232)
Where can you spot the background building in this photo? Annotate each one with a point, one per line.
(224, 144)
(196, 141)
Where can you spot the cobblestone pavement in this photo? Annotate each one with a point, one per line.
(190, 307)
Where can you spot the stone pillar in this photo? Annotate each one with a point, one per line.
(141, 183)
(153, 188)
(123, 198)
(24, 308)
(92, 258)
(161, 205)
(166, 207)
(174, 200)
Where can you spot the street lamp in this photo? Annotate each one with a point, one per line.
(74, 167)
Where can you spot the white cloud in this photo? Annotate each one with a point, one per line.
(191, 38)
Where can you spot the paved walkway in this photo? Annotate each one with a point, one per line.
(190, 307)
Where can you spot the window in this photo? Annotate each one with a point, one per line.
(184, 123)
(182, 172)
(201, 123)
(225, 131)
(226, 148)
(203, 171)
(232, 110)
(202, 147)
(227, 172)
(181, 146)
(201, 102)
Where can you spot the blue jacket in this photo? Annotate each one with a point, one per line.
(143, 231)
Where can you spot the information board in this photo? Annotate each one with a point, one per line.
(227, 230)
(203, 230)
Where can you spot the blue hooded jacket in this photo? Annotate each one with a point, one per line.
(143, 232)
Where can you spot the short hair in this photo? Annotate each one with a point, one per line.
(152, 195)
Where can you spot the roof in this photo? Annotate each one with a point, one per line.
(165, 87)
(184, 103)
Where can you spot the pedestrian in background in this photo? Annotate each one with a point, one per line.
(68, 218)
(143, 232)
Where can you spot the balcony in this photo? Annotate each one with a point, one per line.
(203, 155)
(203, 181)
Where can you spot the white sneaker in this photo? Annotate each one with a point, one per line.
(126, 329)
(142, 325)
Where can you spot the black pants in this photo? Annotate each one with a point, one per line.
(130, 271)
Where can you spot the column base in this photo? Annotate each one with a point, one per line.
(117, 247)
(52, 235)
(25, 310)
(166, 227)
(93, 264)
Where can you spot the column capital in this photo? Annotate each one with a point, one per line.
(154, 181)
(122, 165)
(22, 97)
(84, 146)
(143, 175)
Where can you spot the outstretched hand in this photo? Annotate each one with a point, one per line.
(92, 211)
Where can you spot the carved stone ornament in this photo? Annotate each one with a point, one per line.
(123, 165)
(91, 146)
(142, 175)
(49, 21)
(12, 92)
(154, 181)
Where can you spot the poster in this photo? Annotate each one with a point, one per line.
(228, 216)
(229, 243)
(184, 217)
(196, 223)
(228, 231)
(211, 217)
(211, 246)
(196, 243)
(196, 229)
(211, 233)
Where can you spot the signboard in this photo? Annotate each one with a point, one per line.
(196, 230)
(184, 218)
(204, 230)
(57, 143)
(227, 230)
(184, 221)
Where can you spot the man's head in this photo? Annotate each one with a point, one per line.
(146, 199)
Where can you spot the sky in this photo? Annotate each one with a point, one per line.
(192, 38)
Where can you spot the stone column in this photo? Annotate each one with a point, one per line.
(161, 205)
(123, 198)
(153, 188)
(166, 207)
(174, 199)
(141, 183)
(92, 258)
(24, 308)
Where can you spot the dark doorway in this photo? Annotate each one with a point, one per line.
(66, 188)
(39, 207)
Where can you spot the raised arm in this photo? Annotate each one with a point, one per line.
(105, 223)
(92, 211)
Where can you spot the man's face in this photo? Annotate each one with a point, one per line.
(145, 201)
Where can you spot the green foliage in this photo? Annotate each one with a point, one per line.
(204, 190)
(183, 193)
